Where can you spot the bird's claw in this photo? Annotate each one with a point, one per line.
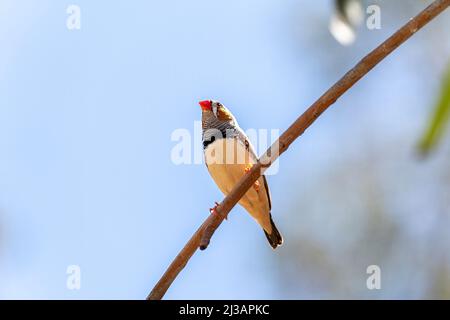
(256, 185)
(214, 210)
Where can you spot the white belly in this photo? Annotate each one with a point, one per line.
(227, 160)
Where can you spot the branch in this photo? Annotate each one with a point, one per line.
(202, 236)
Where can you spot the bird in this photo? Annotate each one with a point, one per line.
(229, 155)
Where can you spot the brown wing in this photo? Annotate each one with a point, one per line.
(249, 148)
(268, 192)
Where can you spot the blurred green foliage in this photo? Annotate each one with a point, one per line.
(439, 119)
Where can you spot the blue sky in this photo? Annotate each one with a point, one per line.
(86, 118)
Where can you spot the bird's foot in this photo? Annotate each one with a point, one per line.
(214, 210)
(248, 168)
(256, 185)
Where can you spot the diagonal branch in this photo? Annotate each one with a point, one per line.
(202, 236)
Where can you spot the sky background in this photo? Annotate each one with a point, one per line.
(86, 176)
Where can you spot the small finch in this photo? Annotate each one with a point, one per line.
(228, 156)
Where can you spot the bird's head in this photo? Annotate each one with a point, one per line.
(216, 109)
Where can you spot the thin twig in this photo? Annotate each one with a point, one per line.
(202, 236)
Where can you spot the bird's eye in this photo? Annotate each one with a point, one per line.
(219, 104)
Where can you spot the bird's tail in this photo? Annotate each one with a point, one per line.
(275, 238)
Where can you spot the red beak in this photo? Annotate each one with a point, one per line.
(206, 104)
